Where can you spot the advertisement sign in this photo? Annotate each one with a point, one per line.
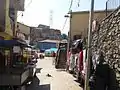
(18, 4)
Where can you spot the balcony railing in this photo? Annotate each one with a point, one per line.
(111, 5)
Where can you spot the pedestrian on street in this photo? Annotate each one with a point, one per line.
(102, 78)
(54, 55)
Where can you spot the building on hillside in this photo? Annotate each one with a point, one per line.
(55, 34)
(23, 32)
(43, 32)
(80, 21)
(35, 34)
(8, 17)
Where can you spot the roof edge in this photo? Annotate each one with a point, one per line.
(96, 11)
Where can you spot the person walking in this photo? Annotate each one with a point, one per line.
(54, 55)
(102, 78)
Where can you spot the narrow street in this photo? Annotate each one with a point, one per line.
(56, 80)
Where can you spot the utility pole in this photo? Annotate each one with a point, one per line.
(69, 34)
(70, 27)
(89, 45)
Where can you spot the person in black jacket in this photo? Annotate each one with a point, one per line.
(102, 74)
(103, 77)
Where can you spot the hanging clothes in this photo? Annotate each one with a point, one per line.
(95, 61)
(72, 62)
(68, 58)
(80, 61)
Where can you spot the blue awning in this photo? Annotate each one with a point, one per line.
(10, 43)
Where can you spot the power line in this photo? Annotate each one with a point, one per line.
(21, 12)
(64, 24)
(67, 18)
(26, 7)
(71, 5)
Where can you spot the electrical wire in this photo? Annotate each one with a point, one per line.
(64, 24)
(20, 13)
(26, 7)
(78, 3)
(71, 3)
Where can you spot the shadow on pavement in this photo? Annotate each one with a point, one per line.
(80, 84)
(44, 87)
(77, 81)
(35, 85)
(60, 70)
(38, 70)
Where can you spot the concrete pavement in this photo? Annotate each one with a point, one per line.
(48, 78)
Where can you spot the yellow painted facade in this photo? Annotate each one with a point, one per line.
(7, 34)
(80, 21)
(8, 30)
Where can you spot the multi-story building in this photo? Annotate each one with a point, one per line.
(43, 32)
(8, 17)
(80, 21)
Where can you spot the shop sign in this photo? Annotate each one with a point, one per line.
(16, 49)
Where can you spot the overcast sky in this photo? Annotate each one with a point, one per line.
(38, 12)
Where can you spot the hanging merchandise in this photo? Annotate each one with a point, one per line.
(25, 56)
(7, 58)
(16, 49)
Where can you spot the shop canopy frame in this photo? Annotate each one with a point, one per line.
(11, 43)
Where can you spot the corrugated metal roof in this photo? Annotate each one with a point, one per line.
(52, 41)
(96, 11)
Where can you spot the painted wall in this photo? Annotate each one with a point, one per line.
(46, 45)
(80, 21)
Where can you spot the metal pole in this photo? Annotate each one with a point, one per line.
(70, 28)
(106, 8)
(69, 34)
(89, 45)
(69, 37)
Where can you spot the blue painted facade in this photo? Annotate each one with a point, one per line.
(46, 45)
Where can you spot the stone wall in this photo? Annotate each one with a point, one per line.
(107, 39)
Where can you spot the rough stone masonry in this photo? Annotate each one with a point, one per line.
(107, 39)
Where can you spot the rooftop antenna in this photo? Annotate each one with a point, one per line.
(51, 18)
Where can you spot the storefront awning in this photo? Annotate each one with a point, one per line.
(11, 43)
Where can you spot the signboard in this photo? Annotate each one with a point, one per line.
(18, 4)
(16, 49)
